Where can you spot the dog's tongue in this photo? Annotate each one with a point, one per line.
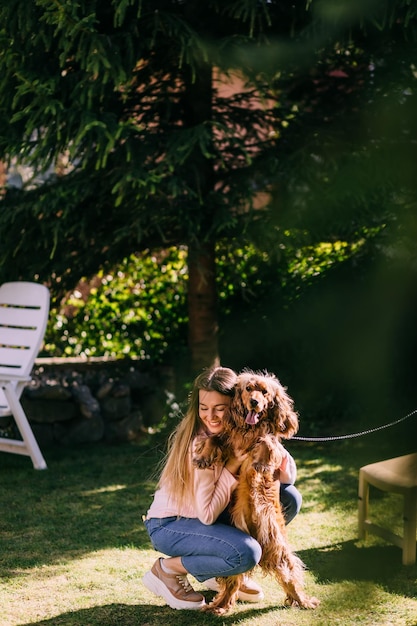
(252, 418)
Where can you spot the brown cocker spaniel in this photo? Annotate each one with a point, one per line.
(261, 415)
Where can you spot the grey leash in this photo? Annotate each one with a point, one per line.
(352, 435)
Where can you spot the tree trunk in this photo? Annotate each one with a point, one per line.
(3, 178)
(202, 307)
(202, 291)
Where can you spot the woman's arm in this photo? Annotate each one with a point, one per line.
(212, 492)
(213, 488)
(288, 469)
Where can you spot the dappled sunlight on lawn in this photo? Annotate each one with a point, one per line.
(84, 582)
(108, 489)
(75, 548)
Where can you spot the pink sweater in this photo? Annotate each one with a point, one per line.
(213, 488)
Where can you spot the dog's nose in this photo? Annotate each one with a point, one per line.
(253, 402)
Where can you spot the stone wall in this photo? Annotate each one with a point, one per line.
(73, 401)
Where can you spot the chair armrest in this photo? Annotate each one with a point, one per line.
(14, 378)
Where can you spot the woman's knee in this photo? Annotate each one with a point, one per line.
(251, 555)
(291, 501)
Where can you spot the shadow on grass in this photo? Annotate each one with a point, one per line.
(332, 468)
(347, 561)
(146, 615)
(90, 498)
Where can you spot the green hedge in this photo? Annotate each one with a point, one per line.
(139, 309)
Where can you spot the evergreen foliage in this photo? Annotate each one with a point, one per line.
(139, 309)
(120, 100)
(114, 96)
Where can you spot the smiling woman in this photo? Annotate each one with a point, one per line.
(212, 408)
(188, 519)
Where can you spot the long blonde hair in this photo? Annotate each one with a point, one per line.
(176, 474)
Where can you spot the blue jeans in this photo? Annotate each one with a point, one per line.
(217, 549)
(291, 501)
(205, 550)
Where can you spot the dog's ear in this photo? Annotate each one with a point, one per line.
(285, 418)
(238, 411)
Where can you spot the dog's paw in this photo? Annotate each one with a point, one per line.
(261, 468)
(206, 453)
(302, 601)
(310, 602)
(202, 462)
(214, 610)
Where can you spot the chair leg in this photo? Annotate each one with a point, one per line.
(31, 445)
(363, 505)
(410, 514)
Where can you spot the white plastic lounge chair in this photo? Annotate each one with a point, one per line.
(24, 311)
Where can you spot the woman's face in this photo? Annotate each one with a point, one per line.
(213, 409)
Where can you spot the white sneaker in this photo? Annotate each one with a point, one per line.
(249, 590)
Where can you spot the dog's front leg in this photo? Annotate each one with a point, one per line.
(267, 455)
(226, 597)
(207, 451)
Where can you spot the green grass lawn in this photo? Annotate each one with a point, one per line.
(73, 547)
